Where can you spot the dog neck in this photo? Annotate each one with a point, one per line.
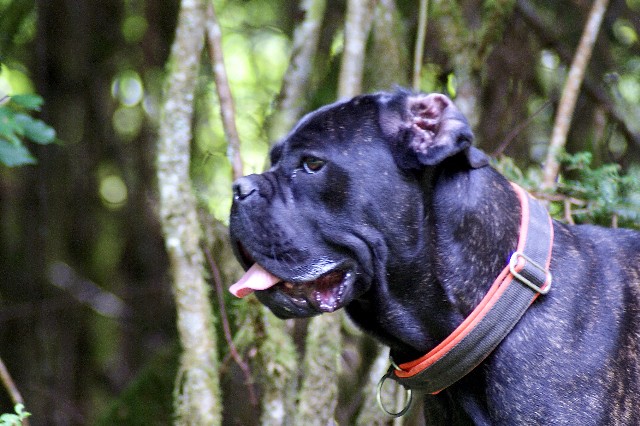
(464, 246)
(472, 236)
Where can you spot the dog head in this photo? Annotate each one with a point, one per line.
(342, 203)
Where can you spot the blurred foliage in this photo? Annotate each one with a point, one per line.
(256, 52)
(603, 195)
(16, 124)
(106, 65)
(608, 195)
(147, 400)
(11, 419)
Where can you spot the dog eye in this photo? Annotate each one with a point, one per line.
(312, 164)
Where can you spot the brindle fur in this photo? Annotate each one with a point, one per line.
(425, 226)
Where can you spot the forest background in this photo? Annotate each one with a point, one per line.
(120, 135)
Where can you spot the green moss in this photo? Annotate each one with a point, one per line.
(148, 400)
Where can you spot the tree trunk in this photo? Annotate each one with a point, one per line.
(197, 393)
(356, 32)
(319, 393)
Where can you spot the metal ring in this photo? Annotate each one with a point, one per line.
(400, 413)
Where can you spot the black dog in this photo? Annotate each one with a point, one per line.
(381, 205)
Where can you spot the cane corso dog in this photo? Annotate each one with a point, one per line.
(382, 206)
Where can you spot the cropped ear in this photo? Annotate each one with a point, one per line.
(427, 129)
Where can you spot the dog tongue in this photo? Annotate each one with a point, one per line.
(256, 278)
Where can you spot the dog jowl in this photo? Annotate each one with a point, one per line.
(382, 206)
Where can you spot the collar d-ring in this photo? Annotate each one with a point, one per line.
(409, 398)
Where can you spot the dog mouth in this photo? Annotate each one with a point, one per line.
(324, 293)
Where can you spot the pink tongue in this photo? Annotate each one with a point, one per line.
(256, 278)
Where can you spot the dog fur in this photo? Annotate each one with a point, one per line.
(381, 205)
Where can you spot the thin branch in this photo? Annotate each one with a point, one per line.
(420, 39)
(227, 109)
(12, 389)
(570, 93)
(558, 197)
(296, 79)
(516, 131)
(567, 201)
(568, 217)
(550, 37)
(233, 351)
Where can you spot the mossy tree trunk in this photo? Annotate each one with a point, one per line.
(197, 391)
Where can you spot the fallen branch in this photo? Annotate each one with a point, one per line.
(570, 93)
(567, 202)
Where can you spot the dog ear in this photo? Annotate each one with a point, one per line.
(427, 129)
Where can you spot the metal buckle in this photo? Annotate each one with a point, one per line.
(513, 262)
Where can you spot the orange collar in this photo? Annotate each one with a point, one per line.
(518, 285)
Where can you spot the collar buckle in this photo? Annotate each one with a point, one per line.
(529, 271)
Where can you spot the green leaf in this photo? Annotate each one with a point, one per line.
(35, 129)
(29, 102)
(20, 411)
(13, 155)
(8, 125)
(9, 420)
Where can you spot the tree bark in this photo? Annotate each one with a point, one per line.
(319, 393)
(456, 41)
(370, 414)
(197, 393)
(277, 360)
(387, 55)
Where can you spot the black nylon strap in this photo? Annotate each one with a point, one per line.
(502, 316)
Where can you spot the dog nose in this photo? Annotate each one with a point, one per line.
(243, 187)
